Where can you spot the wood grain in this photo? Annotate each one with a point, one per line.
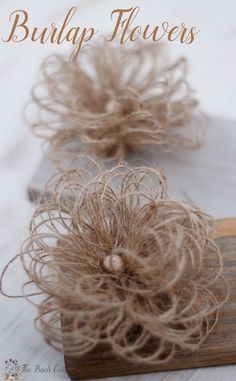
(218, 349)
(226, 227)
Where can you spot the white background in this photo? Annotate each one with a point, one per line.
(212, 60)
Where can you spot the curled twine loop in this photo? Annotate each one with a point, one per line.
(123, 264)
(113, 101)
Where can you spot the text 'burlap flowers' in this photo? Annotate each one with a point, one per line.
(113, 100)
(123, 264)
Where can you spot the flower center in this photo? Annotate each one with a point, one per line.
(113, 263)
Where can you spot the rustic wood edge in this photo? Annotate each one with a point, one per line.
(226, 227)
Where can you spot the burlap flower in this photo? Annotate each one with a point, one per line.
(115, 100)
(123, 264)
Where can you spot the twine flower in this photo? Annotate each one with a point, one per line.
(123, 265)
(114, 100)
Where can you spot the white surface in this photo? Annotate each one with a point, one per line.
(212, 73)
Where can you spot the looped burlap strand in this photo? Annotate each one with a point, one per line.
(113, 100)
(123, 264)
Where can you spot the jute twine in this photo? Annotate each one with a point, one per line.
(123, 264)
(112, 101)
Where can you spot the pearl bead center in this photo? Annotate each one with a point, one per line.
(113, 263)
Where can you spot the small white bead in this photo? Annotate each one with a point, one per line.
(113, 263)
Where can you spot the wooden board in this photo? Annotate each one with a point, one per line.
(200, 176)
(218, 349)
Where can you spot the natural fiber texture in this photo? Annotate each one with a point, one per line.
(114, 100)
(123, 264)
